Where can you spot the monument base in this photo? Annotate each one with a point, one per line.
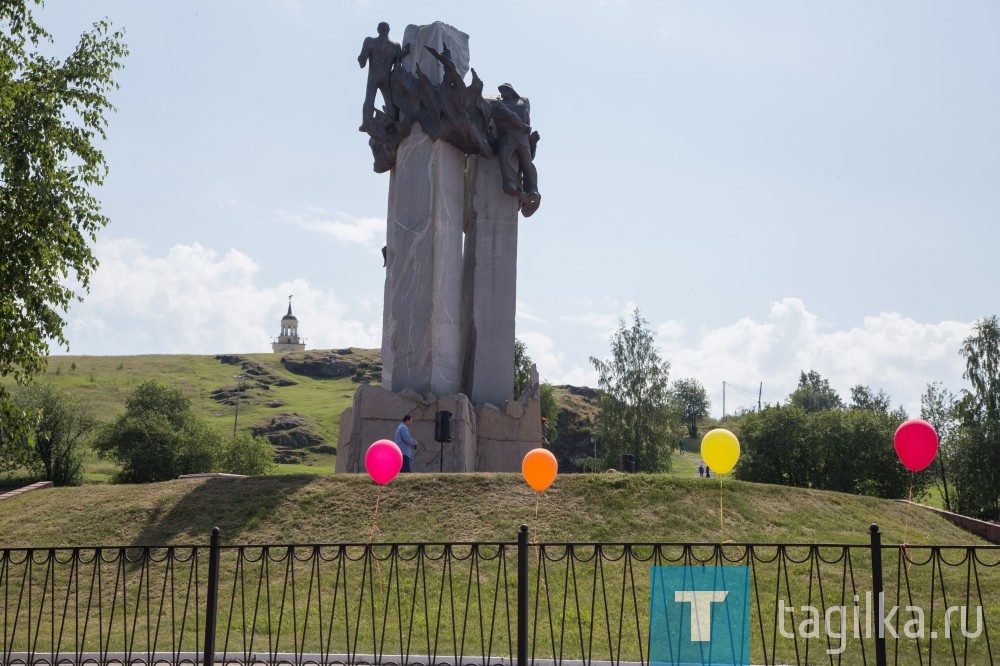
(485, 438)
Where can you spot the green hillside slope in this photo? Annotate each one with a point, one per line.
(273, 396)
(430, 507)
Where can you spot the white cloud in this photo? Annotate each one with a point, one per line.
(886, 351)
(551, 362)
(524, 313)
(603, 324)
(197, 301)
(366, 231)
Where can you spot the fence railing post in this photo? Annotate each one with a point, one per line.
(522, 596)
(877, 592)
(212, 598)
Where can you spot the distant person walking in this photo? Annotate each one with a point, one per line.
(407, 445)
(701, 471)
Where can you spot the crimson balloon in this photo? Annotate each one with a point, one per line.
(916, 444)
(383, 460)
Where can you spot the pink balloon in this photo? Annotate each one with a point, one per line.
(916, 444)
(383, 461)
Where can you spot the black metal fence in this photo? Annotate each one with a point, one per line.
(483, 603)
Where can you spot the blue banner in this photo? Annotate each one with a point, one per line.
(699, 616)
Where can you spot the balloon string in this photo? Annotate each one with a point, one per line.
(722, 528)
(374, 527)
(906, 523)
(538, 496)
(545, 586)
(371, 536)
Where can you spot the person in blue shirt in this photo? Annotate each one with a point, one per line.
(407, 445)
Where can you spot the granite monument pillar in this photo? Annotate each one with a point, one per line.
(461, 171)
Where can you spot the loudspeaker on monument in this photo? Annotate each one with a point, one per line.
(442, 426)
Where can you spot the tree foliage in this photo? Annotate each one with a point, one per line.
(252, 456)
(814, 393)
(52, 112)
(522, 380)
(692, 401)
(522, 368)
(158, 437)
(55, 448)
(937, 407)
(634, 399)
(550, 412)
(976, 462)
(862, 397)
(844, 450)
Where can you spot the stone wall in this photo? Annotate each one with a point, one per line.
(485, 438)
(987, 530)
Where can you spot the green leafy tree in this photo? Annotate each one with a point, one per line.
(862, 397)
(253, 456)
(634, 399)
(938, 407)
(976, 463)
(17, 437)
(52, 111)
(814, 393)
(843, 450)
(522, 380)
(522, 368)
(774, 447)
(56, 447)
(159, 438)
(692, 401)
(550, 412)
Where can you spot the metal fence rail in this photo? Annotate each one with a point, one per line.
(560, 604)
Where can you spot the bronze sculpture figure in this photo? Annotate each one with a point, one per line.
(511, 116)
(381, 54)
(447, 111)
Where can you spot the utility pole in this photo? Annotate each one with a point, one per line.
(760, 392)
(240, 380)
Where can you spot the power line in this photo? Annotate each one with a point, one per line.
(758, 394)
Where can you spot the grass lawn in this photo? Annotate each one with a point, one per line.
(306, 508)
(609, 594)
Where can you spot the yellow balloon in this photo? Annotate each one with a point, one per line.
(720, 449)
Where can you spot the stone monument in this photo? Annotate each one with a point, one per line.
(461, 170)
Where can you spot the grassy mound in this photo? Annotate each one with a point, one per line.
(458, 507)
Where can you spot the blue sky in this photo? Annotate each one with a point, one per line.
(778, 186)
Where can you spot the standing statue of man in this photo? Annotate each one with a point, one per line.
(511, 116)
(381, 54)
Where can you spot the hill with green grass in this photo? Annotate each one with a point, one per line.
(607, 507)
(293, 399)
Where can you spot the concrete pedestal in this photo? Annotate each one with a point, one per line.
(484, 438)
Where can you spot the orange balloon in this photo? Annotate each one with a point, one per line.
(539, 468)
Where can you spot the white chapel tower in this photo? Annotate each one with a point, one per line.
(289, 340)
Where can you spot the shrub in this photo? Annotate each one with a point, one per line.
(248, 455)
(54, 451)
(159, 438)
